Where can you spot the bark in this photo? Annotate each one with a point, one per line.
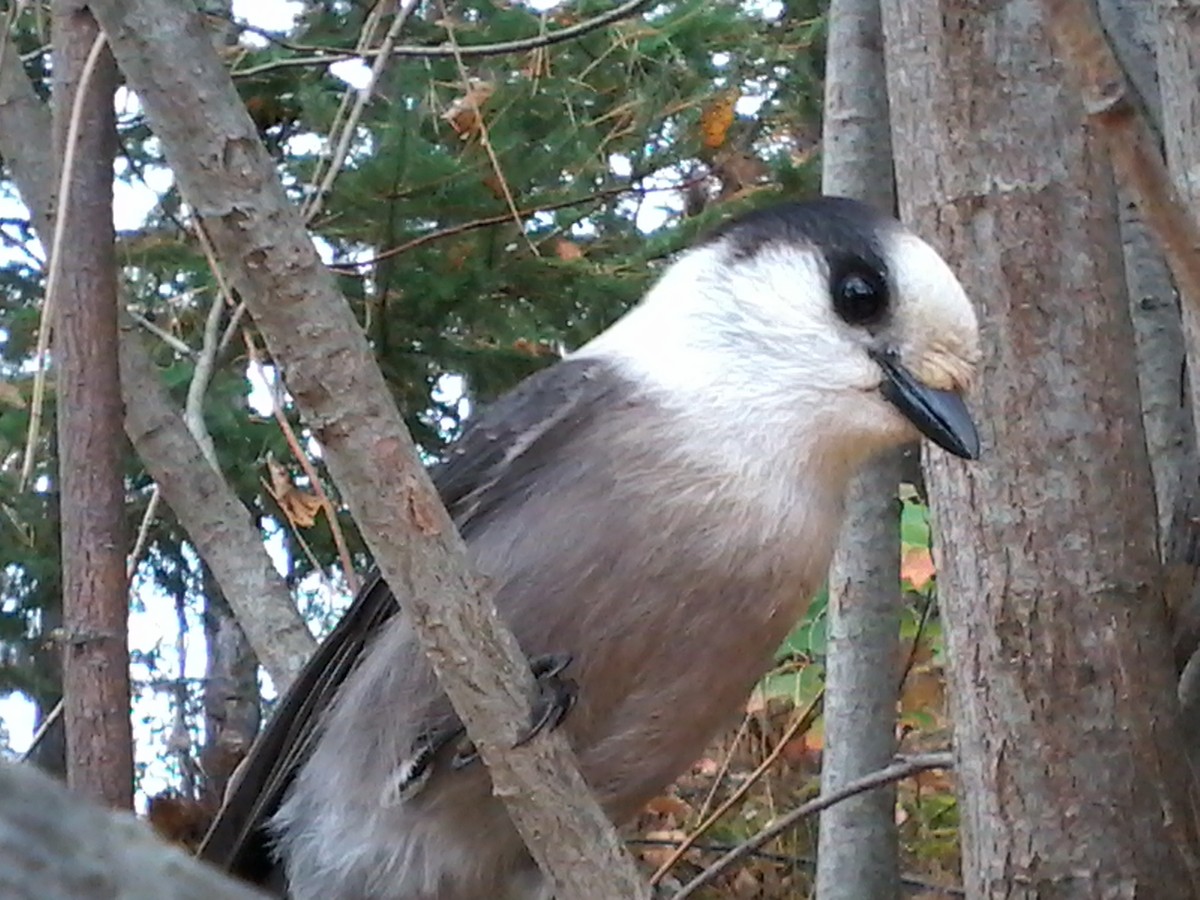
(91, 446)
(1071, 761)
(1162, 367)
(1178, 46)
(53, 846)
(229, 179)
(858, 850)
(215, 520)
(231, 707)
(217, 523)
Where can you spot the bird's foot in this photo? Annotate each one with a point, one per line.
(556, 695)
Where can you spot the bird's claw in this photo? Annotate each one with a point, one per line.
(556, 695)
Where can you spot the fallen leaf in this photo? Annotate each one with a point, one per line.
(667, 805)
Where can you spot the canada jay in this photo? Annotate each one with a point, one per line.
(654, 512)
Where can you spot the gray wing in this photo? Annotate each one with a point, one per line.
(495, 462)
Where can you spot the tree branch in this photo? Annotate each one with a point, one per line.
(56, 846)
(895, 772)
(228, 177)
(1136, 159)
(331, 55)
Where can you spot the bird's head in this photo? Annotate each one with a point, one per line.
(823, 311)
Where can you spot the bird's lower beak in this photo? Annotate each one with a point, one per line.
(939, 415)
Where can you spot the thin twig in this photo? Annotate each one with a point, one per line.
(802, 723)
(206, 359)
(42, 731)
(897, 771)
(143, 534)
(179, 346)
(37, 402)
(807, 862)
(366, 35)
(723, 769)
(361, 97)
(501, 218)
(485, 139)
(339, 539)
(330, 55)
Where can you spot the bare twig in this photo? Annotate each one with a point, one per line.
(795, 861)
(913, 765)
(143, 535)
(162, 334)
(800, 725)
(484, 138)
(42, 730)
(1136, 159)
(335, 527)
(38, 400)
(500, 219)
(331, 55)
(206, 359)
(313, 207)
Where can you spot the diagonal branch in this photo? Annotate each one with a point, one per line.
(1136, 159)
(226, 174)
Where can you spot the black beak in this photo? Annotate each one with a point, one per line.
(939, 415)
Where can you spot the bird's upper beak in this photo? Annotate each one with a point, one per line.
(938, 414)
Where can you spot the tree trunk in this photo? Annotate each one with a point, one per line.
(1178, 46)
(1158, 328)
(231, 707)
(91, 443)
(1071, 764)
(858, 853)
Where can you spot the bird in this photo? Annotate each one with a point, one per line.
(654, 512)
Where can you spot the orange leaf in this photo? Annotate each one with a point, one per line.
(567, 250)
(300, 507)
(464, 114)
(917, 568)
(716, 118)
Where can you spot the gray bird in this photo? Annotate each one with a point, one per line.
(655, 509)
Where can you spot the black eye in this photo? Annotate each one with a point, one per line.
(860, 296)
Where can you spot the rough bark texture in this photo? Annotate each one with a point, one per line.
(53, 846)
(1071, 764)
(858, 851)
(231, 703)
(1162, 369)
(91, 446)
(209, 511)
(226, 174)
(217, 523)
(1178, 46)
